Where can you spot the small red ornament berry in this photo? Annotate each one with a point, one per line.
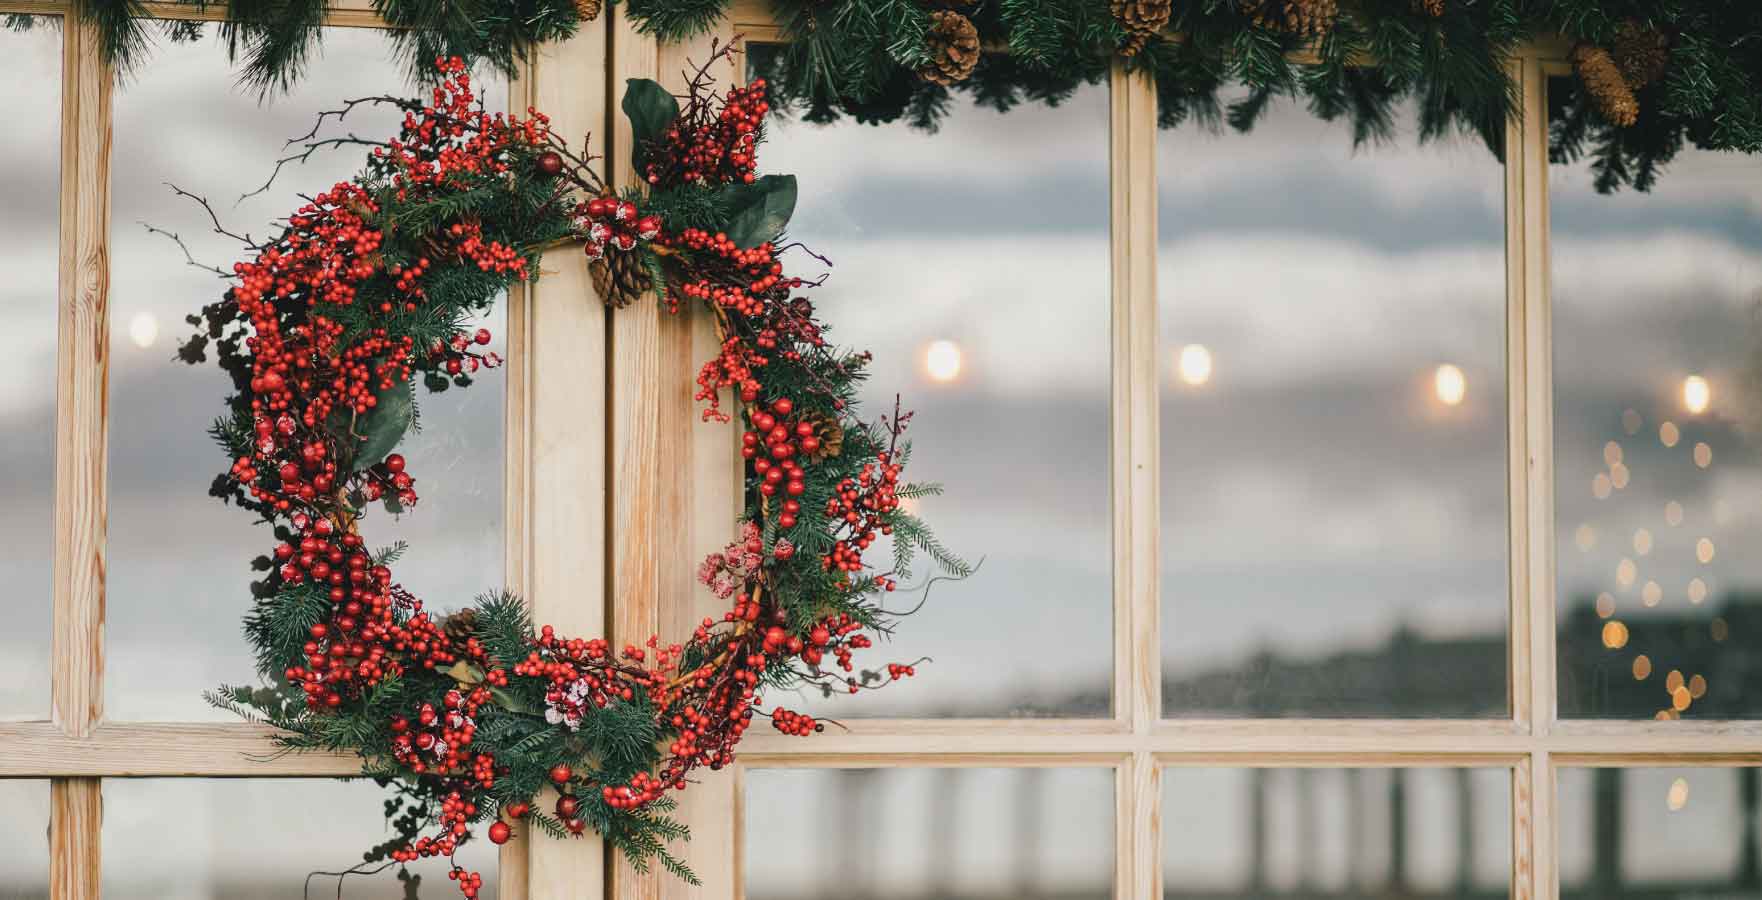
(519, 810)
(561, 773)
(394, 463)
(550, 163)
(568, 806)
(500, 832)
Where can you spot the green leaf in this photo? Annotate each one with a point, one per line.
(382, 428)
(759, 210)
(650, 108)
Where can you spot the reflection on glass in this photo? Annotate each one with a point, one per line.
(24, 833)
(258, 839)
(1660, 833)
(974, 263)
(976, 834)
(29, 180)
(1333, 422)
(1656, 407)
(1249, 833)
(180, 560)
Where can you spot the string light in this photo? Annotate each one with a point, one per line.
(1449, 384)
(1696, 394)
(1194, 364)
(143, 329)
(942, 359)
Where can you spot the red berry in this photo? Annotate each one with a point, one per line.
(500, 832)
(394, 463)
(551, 163)
(561, 773)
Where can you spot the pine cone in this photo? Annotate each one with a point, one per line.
(1142, 19)
(1433, 8)
(1304, 18)
(831, 436)
(619, 277)
(1640, 52)
(1602, 80)
(588, 10)
(954, 48)
(460, 626)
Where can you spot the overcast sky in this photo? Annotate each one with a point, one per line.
(1316, 492)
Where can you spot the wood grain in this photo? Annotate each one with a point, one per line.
(566, 434)
(75, 825)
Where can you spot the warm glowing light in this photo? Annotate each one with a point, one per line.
(1642, 542)
(1673, 513)
(1642, 667)
(1703, 455)
(1585, 537)
(1626, 572)
(1631, 421)
(1678, 795)
(1704, 550)
(1450, 384)
(1194, 364)
(1669, 434)
(1600, 486)
(1696, 394)
(1697, 687)
(1680, 699)
(1719, 629)
(1605, 605)
(1673, 681)
(942, 359)
(1697, 590)
(143, 329)
(1612, 454)
(1618, 475)
(1651, 593)
(1614, 635)
(1664, 715)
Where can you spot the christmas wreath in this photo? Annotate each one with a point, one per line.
(370, 287)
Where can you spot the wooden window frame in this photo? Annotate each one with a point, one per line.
(607, 489)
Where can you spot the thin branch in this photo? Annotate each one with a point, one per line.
(188, 257)
(311, 148)
(214, 217)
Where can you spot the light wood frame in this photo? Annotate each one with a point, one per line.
(608, 489)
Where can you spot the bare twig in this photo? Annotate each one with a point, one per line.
(214, 217)
(301, 157)
(188, 257)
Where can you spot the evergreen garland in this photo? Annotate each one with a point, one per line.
(324, 331)
(1690, 71)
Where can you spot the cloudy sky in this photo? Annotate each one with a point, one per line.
(1317, 491)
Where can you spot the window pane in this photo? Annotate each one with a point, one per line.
(1334, 517)
(974, 263)
(976, 834)
(1336, 832)
(1656, 456)
(179, 559)
(30, 168)
(1659, 833)
(24, 832)
(220, 839)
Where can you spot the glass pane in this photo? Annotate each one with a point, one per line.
(1336, 833)
(974, 263)
(1334, 517)
(1660, 833)
(24, 832)
(1656, 451)
(976, 834)
(179, 559)
(260, 839)
(30, 168)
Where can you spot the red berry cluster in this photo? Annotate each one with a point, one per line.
(611, 224)
(862, 505)
(712, 146)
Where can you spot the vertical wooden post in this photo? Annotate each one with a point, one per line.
(1137, 683)
(565, 440)
(82, 362)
